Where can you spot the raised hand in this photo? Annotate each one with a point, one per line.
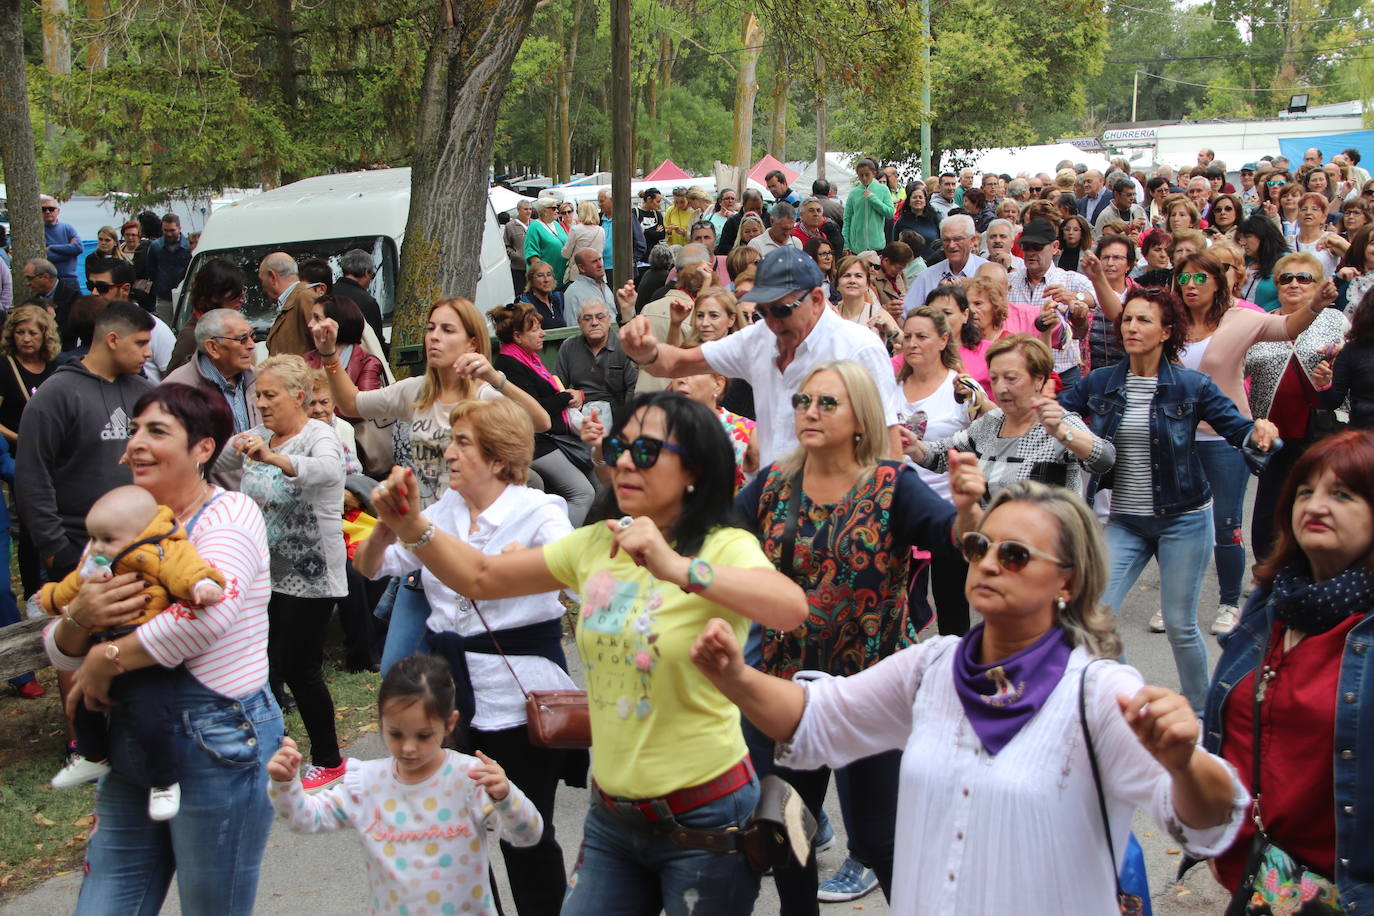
(638, 341)
(1049, 412)
(593, 430)
(717, 653)
(1163, 723)
(644, 544)
(491, 777)
(326, 334)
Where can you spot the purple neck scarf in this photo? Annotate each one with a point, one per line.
(999, 699)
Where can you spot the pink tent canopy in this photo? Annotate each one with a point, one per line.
(768, 164)
(668, 170)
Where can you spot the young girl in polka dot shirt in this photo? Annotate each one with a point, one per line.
(421, 813)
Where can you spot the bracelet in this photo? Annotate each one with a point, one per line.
(328, 355)
(331, 366)
(421, 541)
(68, 619)
(651, 361)
(502, 386)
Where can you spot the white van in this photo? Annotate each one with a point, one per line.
(323, 217)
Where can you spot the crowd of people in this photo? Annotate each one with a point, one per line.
(788, 439)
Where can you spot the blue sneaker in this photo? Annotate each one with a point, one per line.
(851, 882)
(825, 834)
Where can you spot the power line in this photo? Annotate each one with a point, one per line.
(1247, 23)
(1238, 88)
(1274, 53)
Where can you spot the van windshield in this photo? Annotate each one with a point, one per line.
(258, 310)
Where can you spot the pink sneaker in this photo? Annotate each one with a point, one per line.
(314, 778)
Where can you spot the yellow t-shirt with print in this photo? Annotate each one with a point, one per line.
(658, 724)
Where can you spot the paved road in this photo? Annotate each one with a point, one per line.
(303, 874)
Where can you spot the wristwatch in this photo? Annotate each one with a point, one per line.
(112, 655)
(1068, 435)
(700, 575)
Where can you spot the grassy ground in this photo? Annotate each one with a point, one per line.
(43, 832)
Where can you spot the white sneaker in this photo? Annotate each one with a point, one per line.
(1157, 623)
(79, 771)
(1227, 617)
(165, 802)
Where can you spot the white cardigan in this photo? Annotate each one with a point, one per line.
(988, 834)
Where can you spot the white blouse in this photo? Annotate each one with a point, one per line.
(978, 833)
(522, 516)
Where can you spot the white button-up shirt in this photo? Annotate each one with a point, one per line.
(521, 516)
(933, 276)
(1022, 292)
(752, 355)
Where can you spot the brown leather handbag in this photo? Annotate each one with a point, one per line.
(555, 718)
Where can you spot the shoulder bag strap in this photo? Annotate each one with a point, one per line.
(19, 379)
(476, 607)
(1097, 773)
(789, 529)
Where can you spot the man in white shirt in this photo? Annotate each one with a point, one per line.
(783, 218)
(1042, 280)
(590, 286)
(1001, 236)
(957, 236)
(797, 332)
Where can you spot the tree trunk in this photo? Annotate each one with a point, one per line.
(746, 88)
(97, 51)
(16, 145)
(57, 38)
(665, 77)
(822, 126)
(466, 73)
(285, 53)
(550, 168)
(565, 96)
(777, 145)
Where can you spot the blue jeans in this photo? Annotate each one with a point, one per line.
(9, 608)
(1229, 476)
(1179, 543)
(406, 629)
(215, 845)
(625, 868)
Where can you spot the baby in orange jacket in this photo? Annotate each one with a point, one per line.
(130, 532)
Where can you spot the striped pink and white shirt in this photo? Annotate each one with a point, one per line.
(224, 646)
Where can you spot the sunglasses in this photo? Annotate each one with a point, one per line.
(1195, 279)
(644, 451)
(49, 209)
(1303, 278)
(565, 212)
(1276, 184)
(99, 287)
(1013, 556)
(779, 310)
(828, 403)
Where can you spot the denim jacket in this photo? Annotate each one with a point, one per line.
(1183, 398)
(1353, 763)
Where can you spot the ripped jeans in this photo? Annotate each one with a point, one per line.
(628, 869)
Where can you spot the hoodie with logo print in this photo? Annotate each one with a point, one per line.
(70, 441)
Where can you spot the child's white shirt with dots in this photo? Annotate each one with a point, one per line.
(426, 844)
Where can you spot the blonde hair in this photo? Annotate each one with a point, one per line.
(996, 294)
(503, 433)
(588, 213)
(949, 355)
(870, 445)
(292, 371)
(728, 304)
(476, 328)
(1086, 621)
(1179, 200)
(1304, 257)
(47, 327)
(111, 233)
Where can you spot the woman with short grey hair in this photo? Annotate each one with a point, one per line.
(545, 237)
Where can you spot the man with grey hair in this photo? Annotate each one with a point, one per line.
(513, 234)
(224, 364)
(281, 283)
(1095, 197)
(359, 270)
(590, 286)
(1312, 156)
(958, 237)
(966, 176)
(783, 218)
(1018, 189)
(43, 282)
(594, 363)
(1000, 237)
(1200, 193)
(62, 244)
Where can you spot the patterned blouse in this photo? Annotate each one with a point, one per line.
(1265, 361)
(739, 430)
(1034, 455)
(853, 560)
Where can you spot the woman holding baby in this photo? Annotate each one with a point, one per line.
(228, 725)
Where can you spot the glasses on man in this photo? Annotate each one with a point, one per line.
(594, 319)
(240, 339)
(99, 287)
(48, 210)
(644, 451)
(954, 239)
(828, 403)
(1013, 556)
(1302, 279)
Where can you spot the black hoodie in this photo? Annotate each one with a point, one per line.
(71, 438)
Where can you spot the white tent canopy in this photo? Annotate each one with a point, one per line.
(505, 200)
(839, 172)
(1029, 159)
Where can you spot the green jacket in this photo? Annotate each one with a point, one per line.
(864, 217)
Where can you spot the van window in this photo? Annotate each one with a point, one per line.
(260, 312)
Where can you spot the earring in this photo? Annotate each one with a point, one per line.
(691, 488)
(1060, 604)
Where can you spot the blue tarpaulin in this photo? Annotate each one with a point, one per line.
(1330, 145)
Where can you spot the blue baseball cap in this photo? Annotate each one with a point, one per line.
(783, 270)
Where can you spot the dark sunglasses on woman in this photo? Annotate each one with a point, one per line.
(644, 451)
(1303, 279)
(1013, 556)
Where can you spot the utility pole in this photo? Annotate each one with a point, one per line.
(622, 149)
(925, 92)
(822, 127)
(1135, 92)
